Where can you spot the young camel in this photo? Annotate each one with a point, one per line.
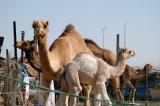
(61, 52)
(110, 58)
(88, 69)
(132, 74)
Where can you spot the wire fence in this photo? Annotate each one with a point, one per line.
(18, 82)
(44, 89)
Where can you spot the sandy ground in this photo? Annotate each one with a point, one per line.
(139, 103)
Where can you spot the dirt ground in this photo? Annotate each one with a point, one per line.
(139, 103)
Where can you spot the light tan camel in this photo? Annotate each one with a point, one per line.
(109, 57)
(130, 74)
(61, 52)
(88, 69)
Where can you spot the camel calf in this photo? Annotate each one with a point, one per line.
(88, 69)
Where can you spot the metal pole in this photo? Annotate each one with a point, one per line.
(125, 23)
(15, 40)
(22, 38)
(146, 87)
(117, 43)
(103, 38)
(103, 28)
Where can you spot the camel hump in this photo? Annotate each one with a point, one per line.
(69, 28)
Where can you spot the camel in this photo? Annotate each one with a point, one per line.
(29, 48)
(132, 74)
(109, 57)
(32, 56)
(88, 69)
(61, 52)
(30, 53)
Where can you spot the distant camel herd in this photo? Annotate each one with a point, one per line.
(77, 62)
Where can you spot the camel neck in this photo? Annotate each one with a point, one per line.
(49, 59)
(33, 59)
(142, 72)
(44, 52)
(119, 68)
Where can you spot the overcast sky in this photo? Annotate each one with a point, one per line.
(142, 28)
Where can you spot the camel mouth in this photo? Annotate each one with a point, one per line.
(132, 53)
(152, 68)
(40, 35)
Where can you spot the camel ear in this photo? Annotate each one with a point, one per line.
(33, 25)
(47, 23)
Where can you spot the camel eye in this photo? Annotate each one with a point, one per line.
(129, 52)
(45, 26)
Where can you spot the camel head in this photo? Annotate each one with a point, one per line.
(25, 45)
(149, 67)
(125, 53)
(40, 28)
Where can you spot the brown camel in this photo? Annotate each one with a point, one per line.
(89, 69)
(30, 53)
(132, 74)
(62, 51)
(33, 57)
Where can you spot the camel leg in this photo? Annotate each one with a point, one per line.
(75, 90)
(74, 87)
(97, 96)
(132, 94)
(63, 100)
(71, 78)
(43, 95)
(87, 90)
(116, 87)
(102, 89)
(123, 90)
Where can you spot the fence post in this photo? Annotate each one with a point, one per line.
(6, 82)
(146, 88)
(117, 44)
(22, 39)
(15, 40)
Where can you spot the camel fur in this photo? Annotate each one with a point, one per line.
(88, 69)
